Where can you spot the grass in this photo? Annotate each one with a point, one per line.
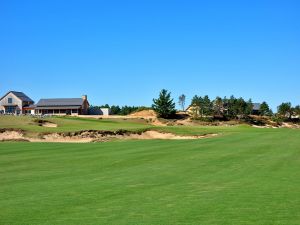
(247, 176)
(66, 124)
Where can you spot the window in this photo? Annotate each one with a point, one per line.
(9, 100)
(10, 109)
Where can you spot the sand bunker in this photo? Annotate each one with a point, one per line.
(165, 136)
(11, 135)
(283, 125)
(95, 136)
(47, 124)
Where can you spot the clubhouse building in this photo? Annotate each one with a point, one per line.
(15, 102)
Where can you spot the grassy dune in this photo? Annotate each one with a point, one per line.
(246, 176)
(66, 124)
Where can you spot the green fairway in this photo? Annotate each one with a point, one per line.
(246, 176)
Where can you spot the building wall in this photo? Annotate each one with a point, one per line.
(105, 111)
(99, 111)
(85, 107)
(59, 112)
(15, 101)
(193, 111)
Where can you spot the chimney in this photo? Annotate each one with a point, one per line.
(84, 97)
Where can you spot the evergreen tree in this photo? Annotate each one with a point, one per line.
(196, 103)
(218, 106)
(164, 105)
(297, 110)
(207, 106)
(248, 108)
(115, 110)
(232, 107)
(285, 110)
(265, 109)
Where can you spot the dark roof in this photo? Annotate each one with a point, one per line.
(256, 106)
(29, 107)
(58, 107)
(60, 102)
(20, 95)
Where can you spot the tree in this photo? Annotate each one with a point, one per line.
(207, 106)
(218, 106)
(164, 105)
(115, 110)
(265, 109)
(232, 107)
(225, 106)
(237, 107)
(248, 108)
(195, 106)
(196, 101)
(242, 108)
(285, 110)
(297, 110)
(181, 101)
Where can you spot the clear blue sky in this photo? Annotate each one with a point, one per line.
(124, 52)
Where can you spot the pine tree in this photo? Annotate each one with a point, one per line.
(265, 109)
(285, 110)
(164, 105)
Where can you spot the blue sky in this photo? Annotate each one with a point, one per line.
(125, 52)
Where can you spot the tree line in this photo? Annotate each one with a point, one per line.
(120, 110)
(220, 108)
(202, 107)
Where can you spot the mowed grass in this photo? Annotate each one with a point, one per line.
(68, 124)
(247, 176)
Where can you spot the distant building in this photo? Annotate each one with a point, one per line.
(256, 109)
(15, 102)
(193, 110)
(99, 111)
(62, 106)
(105, 111)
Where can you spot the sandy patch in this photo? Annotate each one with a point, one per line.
(165, 136)
(11, 135)
(61, 139)
(144, 113)
(290, 125)
(255, 126)
(48, 124)
(97, 136)
(156, 122)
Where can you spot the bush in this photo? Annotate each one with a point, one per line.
(142, 108)
(277, 119)
(204, 119)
